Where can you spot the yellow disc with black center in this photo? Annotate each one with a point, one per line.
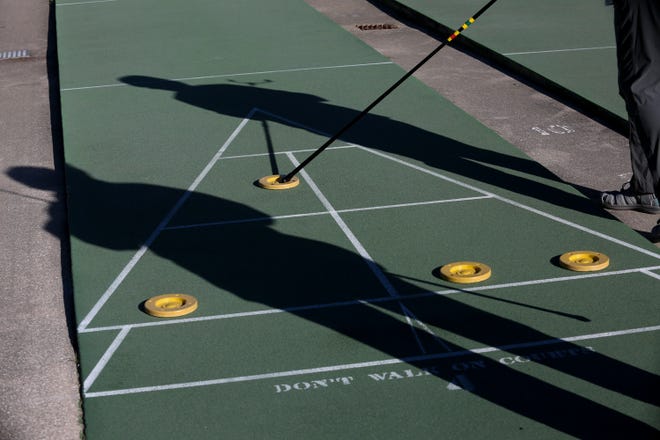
(170, 305)
(465, 272)
(273, 182)
(584, 261)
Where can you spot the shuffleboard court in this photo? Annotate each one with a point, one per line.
(321, 312)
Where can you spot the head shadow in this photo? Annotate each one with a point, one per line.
(510, 172)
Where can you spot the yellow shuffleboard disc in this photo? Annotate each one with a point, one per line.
(465, 272)
(273, 182)
(584, 261)
(170, 305)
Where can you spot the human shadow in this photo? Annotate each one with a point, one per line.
(122, 215)
(512, 173)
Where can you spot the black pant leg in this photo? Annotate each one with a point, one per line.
(637, 27)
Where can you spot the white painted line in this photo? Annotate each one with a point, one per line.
(306, 150)
(426, 329)
(576, 49)
(232, 75)
(375, 269)
(143, 249)
(409, 320)
(117, 281)
(367, 301)
(346, 230)
(294, 123)
(611, 334)
(411, 204)
(94, 374)
(247, 220)
(235, 315)
(291, 70)
(83, 3)
(651, 274)
(519, 205)
(378, 363)
(554, 280)
(227, 380)
(313, 214)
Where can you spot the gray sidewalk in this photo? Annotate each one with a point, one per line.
(39, 389)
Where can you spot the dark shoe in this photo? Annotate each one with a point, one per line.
(655, 232)
(626, 198)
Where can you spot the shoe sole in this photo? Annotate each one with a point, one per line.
(640, 208)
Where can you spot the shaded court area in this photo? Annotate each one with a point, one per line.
(321, 312)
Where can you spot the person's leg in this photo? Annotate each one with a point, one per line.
(644, 108)
(637, 27)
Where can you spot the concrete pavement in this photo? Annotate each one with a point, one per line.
(39, 391)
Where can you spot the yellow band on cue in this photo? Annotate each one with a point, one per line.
(463, 27)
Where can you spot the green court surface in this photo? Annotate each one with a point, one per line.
(570, 43)
(321, 312)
